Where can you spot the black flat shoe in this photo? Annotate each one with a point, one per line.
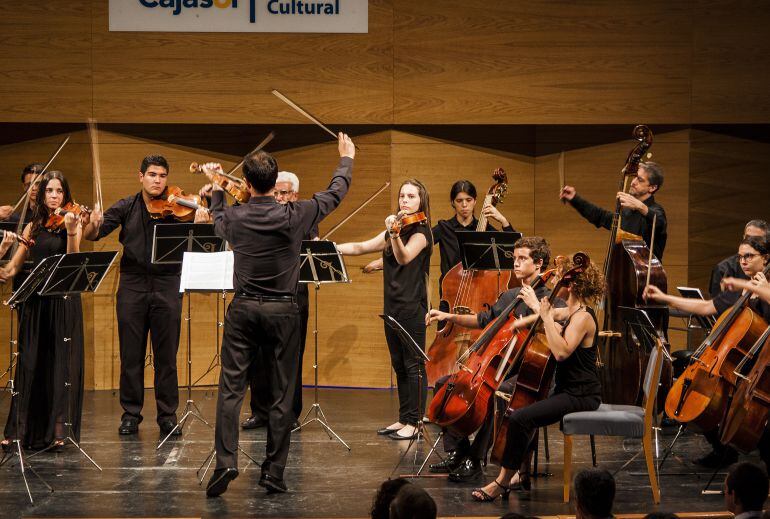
(167, 426)
(272, 484)
(219, 481)
(128, 426)
(468, 470)
(715, 460)
(385, 431)
(486, 498)
(395, 436)
(6, 445)
(449, 464)
(253, 422)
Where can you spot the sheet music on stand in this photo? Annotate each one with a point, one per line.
(38, 275)
(321, 262)
(487, 250)
(78, 272)
(171, 240)
(207, 271)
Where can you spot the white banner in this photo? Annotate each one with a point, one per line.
(308, 16)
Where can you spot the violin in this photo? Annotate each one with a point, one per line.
(231, 184)
(22, 240)
(175, 203)
(55, 220)
(407, 220)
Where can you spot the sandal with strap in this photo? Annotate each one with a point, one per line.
(6, 445)
(486, 498)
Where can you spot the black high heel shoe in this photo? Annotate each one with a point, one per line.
(486, 498)
(523, 485)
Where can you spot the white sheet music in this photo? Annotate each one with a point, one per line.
(207, 271)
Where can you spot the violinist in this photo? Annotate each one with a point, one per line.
(44, 324)
(262, 321)
(577, 387)
(286, 190)
(531, 255)
(28, 174)
(638, 207)
(148, 300)
(406, 266)
(730, 266)
(753, 255)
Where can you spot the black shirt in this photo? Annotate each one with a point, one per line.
(444, 236)
(724, 300)
(576, 375)
(631, 221)
(266, 236)
(520, 310)
(405, 290)
(137, 272)
(728, 267)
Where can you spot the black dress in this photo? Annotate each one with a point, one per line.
(46, 361)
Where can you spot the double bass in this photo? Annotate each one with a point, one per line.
(628, 268)
(463, 402)
(747, 418)
(701, 393)
(466, 292)
(537, 365)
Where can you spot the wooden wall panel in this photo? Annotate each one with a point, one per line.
(729, 185)
(541, 62)
(228, 77)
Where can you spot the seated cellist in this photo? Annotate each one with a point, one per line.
(577, 387)
(531, 256)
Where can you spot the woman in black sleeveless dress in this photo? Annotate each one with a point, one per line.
(46, 360)
(406, 266)
(577, 387)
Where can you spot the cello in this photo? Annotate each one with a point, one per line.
(537, 365)
(628, 268)
(463, 402)
(747, 418)
(701, 393)
(466, 292)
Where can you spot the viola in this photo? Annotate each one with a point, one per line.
(231, 184)
(466, 292)
(463, 402)
(629, 267)
(55, 220)
(537, 365)
(747, 418)
(701, 393)
(175, 203)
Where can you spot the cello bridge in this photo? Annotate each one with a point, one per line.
(462, 310)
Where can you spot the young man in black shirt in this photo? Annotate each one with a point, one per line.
(262, 321)
(148, 300)
(638, 207)
(531, 256)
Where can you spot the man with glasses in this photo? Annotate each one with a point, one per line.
(286, 190)
(27, 176)
(638, 207)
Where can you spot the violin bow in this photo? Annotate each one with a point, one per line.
(351, 215)
(25, 195)
(305, 113)
(562, 176)
(93, 137)
(259, 147)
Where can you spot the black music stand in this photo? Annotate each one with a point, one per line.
(38, 276)
(320, 263)
(169, 245)
(422, 431)
(487, 250)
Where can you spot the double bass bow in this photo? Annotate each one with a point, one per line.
(628, 268)
(466, 292)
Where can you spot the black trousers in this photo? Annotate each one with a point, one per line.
(258, 331)
(484, 436)
(411, 396)
(259, 401)
(159, 314)
(524, 423)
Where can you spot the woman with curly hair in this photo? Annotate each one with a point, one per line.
(577, 387)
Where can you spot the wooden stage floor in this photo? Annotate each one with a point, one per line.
(325, 480)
